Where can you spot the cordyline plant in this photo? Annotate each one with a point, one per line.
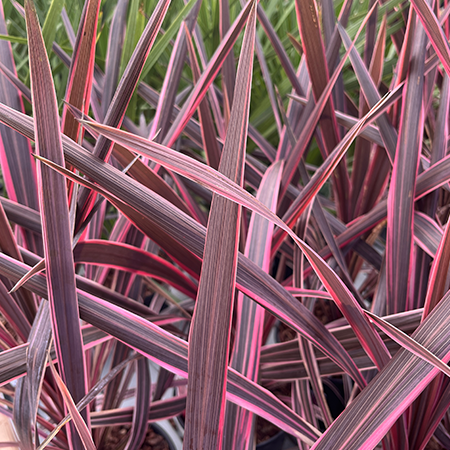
(252, 196)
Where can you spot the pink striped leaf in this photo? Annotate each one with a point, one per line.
(427, 233)
(408, 343)
(166, 350)
(207, 77)
(13, 363)
(28, 390)
(127, 257)
(239, 423)
(139, 424)
(438, 274)
(80, 425)
(434, 32)
(297, 292)
(432, 178)
(400, 200)
(82, 69)
(368, 418)
(88, 398)
(182, 233)
(55, 217)
(159, 410)
(205, 404)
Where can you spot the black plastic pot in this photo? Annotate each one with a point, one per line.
(274, 443)
(158, 430)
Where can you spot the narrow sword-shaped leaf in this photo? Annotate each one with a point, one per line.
(367, 419)
(140, 417)
(28, 390)
(209, 337)
(123, 256)
(79, 86)
(434, 32)
(89, 397)
(159, 410)
(239, 423)
(55, 217)
(167, 350)
(314, 49)
(116, 110)
(438, 274)
(81, 426)
(410, 344)
(207, 77)
(427, 234)
(401, 190)
(250, 278)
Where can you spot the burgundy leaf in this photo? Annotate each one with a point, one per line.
(126, 257)
(250, 278)
(401, 198)
(205, 404)
(55, 217)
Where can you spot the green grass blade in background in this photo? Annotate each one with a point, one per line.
(50, 24)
